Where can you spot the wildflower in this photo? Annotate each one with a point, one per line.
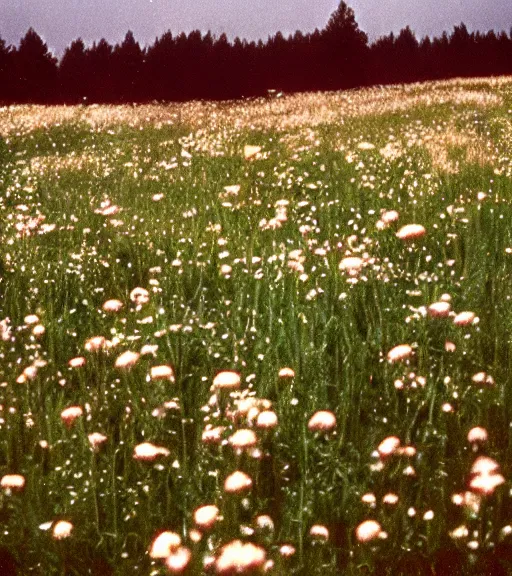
(411, 232)
(62, 529)
(164, 544)
(212, 435)
(400, 352)
(237, 557)
(352, 265)
(12, 482)
(96, 440)
(70, 414)
(449, 346)
(195, 535)
(464, 318)
(482, 379)
(390, 498)
(206, 516)
(389, 216)
(243, 438)
(319, 532)
(95, 343)
(368, 530)
(484, 466)
(286, 372)
(439, 309)
(112, 305)
(38, 330)
(139, 296)
(266, 419)
(322, 421)
(148, 452)
(237, 482)
(178, 560)
(477, 435)
(251, 151)
(164, 372)
(127, 359)
(264, 522)
(77, 362)
(227, 379)
(485, 476)
(486, 484)
(31, 319)
(369, 498)
(287, 550)
(388, 446)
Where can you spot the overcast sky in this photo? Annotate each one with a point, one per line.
(60, 21)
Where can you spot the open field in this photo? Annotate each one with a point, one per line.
(146, 249)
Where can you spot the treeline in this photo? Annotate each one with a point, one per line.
(202, 66)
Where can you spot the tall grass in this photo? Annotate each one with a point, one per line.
(249, 280)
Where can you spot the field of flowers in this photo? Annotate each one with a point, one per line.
(268, 336)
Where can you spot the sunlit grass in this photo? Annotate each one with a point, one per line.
(275, 332)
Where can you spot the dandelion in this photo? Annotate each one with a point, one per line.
(178, 560)
(238, 557)
(13, 482)
(227, 380)
(127, 359)
(147, 452)
(411, 232)
(70, 414)
(368, 530)
(164, 372)
(400, 352)
(112, 305)
(206, 516)
(322, 421)
(164, 544)
(62, 529)
(237, 482)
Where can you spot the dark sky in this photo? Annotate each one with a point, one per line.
(60, 21)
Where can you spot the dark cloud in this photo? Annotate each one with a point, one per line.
(60, 21)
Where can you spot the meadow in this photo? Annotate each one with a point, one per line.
(264, 336)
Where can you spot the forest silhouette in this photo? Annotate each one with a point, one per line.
(201, 66)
